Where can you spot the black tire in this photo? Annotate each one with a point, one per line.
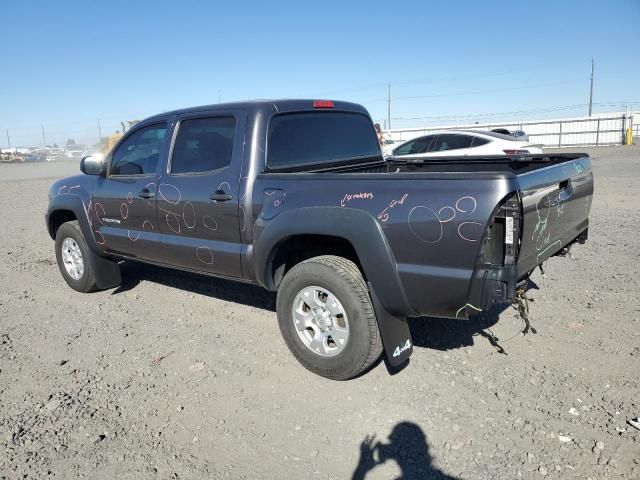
(87, 282)
(343, 279)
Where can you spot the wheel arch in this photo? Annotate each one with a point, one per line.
(64, 208)
(293, 249)
(356, 232)
(57, 218)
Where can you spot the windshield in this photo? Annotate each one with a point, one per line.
(305, 138)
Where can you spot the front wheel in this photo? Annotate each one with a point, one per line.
(326, 317)
(72, 255)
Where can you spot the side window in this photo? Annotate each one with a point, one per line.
(404, 149)
(452, 141)
(203, 145)
(417, 146)
(477, 141)
(139, 154)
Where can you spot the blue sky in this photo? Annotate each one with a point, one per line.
(67, 63)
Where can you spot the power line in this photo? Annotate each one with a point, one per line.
(474, 75)
(520, 112)
(466, 76)
(494, 114)
(477, 92)
(389, 107)
(591, 89)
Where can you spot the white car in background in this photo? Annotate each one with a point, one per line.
(449, 143)
(517, 134)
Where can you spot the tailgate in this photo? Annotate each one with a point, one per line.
(555, 204)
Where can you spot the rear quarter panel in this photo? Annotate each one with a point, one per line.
(433, 223)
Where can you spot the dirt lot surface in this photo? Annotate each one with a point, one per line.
(176, 376)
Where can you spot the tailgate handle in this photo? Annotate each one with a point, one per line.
(565, 191)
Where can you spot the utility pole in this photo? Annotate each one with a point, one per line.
(218, 96)
(8, 139)
(591, 90)
(99, 132)
(44, 141)
(389, 107)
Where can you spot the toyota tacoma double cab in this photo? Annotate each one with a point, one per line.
(294, 195)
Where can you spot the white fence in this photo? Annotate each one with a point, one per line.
(600, 129)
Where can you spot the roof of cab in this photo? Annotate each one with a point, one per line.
(273, 106)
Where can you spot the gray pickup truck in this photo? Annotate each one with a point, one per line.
(294, 196)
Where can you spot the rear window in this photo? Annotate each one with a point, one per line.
(305, 138)
(477, 141)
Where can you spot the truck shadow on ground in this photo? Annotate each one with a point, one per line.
(427, 332)
(407, 447)
(448, 334)
(251, 295)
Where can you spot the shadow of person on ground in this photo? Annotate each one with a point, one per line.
(228, 290)
(407, 447)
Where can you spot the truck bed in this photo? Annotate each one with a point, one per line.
(562, 182)
(555, 192)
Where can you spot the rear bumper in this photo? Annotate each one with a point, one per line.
(497, 285)
(492, 285)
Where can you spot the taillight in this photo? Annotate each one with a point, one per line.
(516, 152)
(503, 236)
(512, 216)
(323, 104)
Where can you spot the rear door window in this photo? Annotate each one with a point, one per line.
(307, 138)
(452, 141)
(203, 145)
(417, 146)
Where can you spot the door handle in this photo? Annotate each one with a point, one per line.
(145, 193)
(220, 196)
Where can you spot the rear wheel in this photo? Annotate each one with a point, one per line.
(326, 317)
(72, 255)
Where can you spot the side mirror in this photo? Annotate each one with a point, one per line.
(92, 164)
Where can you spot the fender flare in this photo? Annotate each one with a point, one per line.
(106, 270)
(356, 226)
(75, 204)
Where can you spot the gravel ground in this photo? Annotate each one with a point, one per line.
(175, 376)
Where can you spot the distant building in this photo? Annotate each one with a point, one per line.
(15, 150)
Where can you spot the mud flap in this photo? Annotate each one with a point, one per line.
(107, 271)
(396, 337)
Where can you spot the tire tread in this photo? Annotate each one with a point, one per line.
(350, 272)
(351, 275)
(89, 284)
